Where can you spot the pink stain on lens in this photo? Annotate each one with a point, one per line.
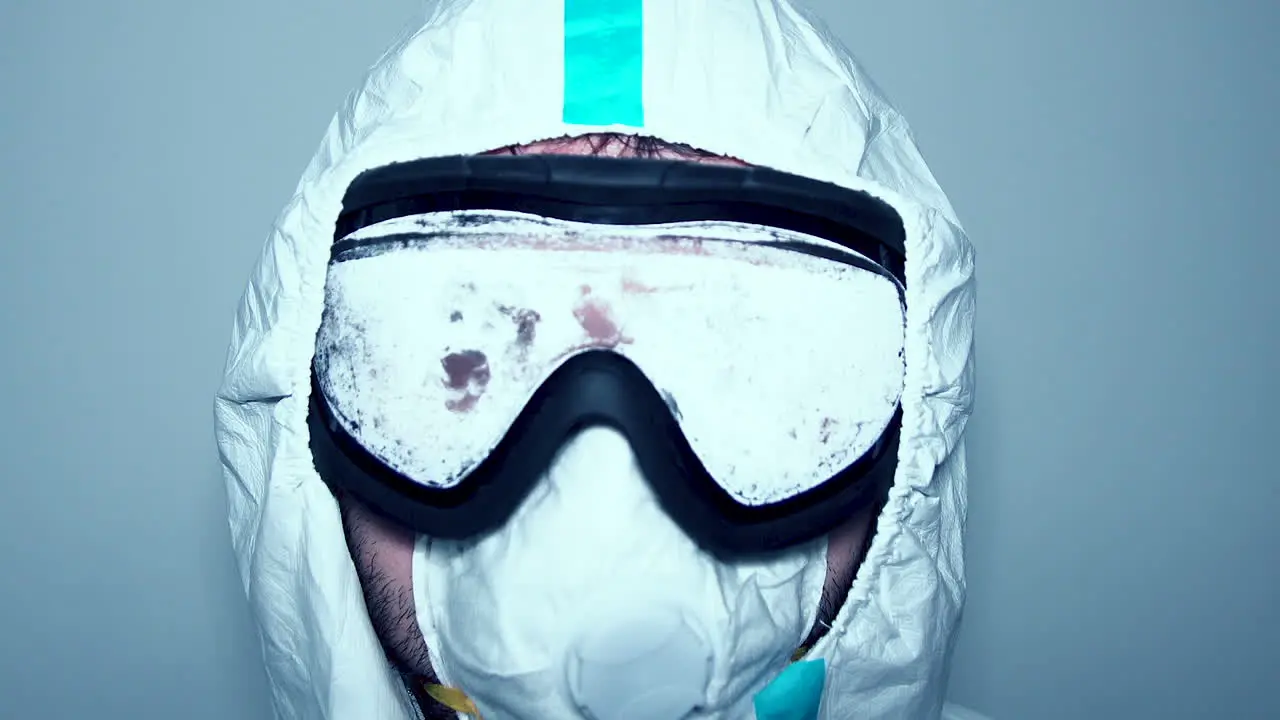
(635, 287)
(466, 403)
(631, 286)
(596, 318)
(468, 373)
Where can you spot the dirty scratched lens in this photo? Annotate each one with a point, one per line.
(782, 367)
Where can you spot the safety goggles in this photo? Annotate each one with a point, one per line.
(470, 330)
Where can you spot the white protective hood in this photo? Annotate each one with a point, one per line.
(751, 79)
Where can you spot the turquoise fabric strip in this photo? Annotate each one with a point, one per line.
(604, 62)
(796, 694)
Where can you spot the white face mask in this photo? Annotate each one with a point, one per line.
(591, 603)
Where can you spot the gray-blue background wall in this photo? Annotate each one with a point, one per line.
(1116, 164)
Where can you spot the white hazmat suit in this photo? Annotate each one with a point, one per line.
(748, 79)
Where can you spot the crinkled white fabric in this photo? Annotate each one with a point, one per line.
(752, 79)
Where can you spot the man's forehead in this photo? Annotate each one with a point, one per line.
(621, 146)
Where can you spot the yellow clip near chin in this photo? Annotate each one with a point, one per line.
(454, 699)
(800, 652)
